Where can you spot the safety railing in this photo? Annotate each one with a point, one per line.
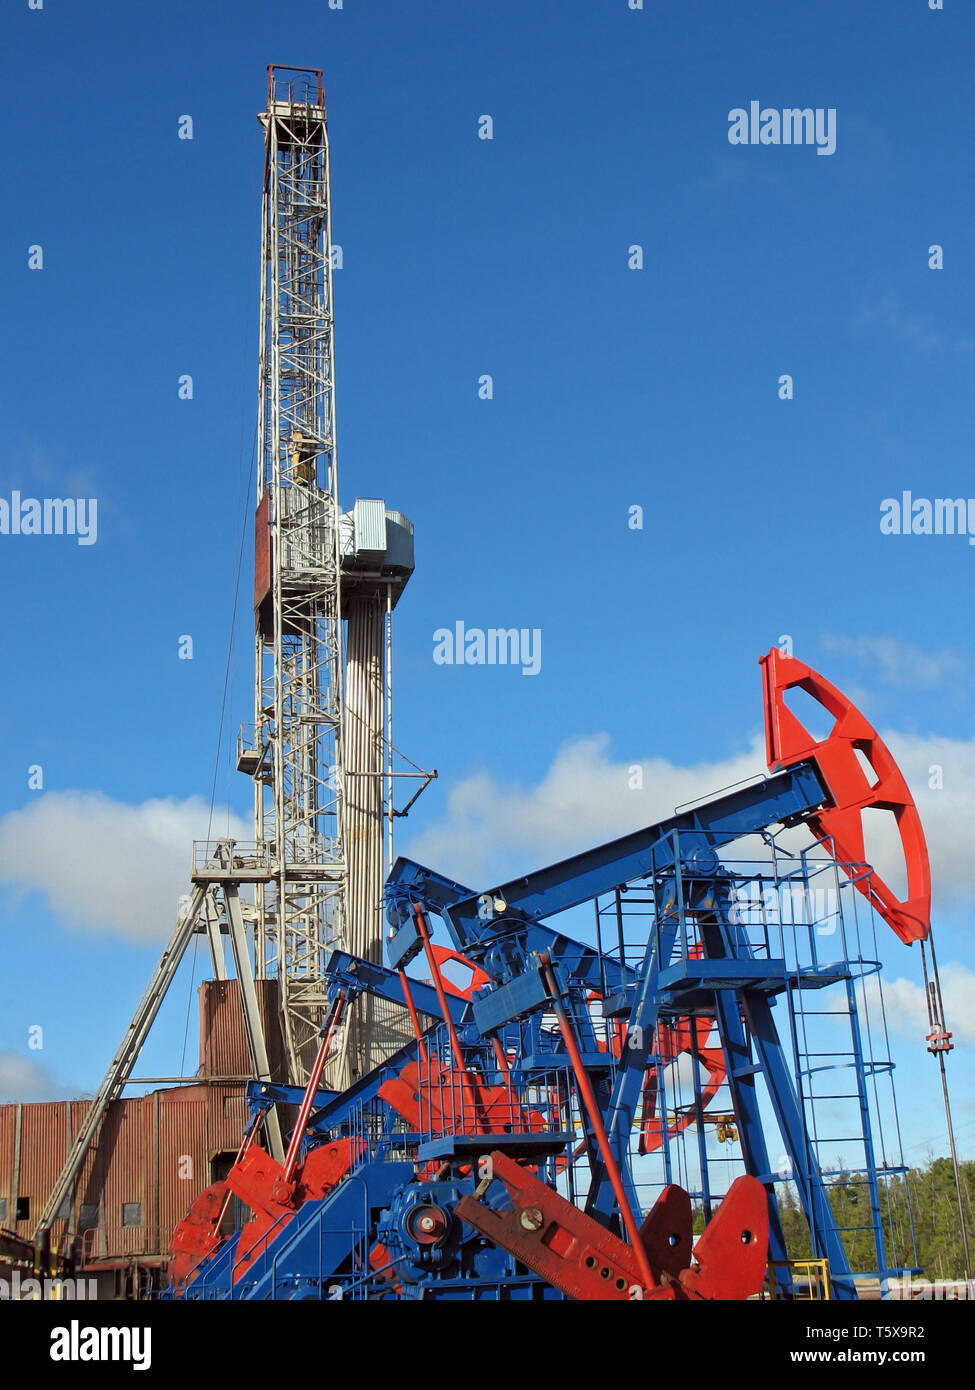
(484, 1096)
(805, 1281)
(295, 86)
(805, 912)
(253, 749)
(233, 855)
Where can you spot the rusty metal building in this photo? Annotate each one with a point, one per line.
(154, 1155)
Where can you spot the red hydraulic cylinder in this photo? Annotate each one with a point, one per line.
(417, 1031)
(291, 1157)
(465, 1080)
(595, 1119)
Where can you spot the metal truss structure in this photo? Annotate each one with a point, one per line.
(214, 907)
(299, 791)
(315, 866)
(529, 1141)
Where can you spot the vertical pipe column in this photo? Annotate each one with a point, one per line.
(364, 770)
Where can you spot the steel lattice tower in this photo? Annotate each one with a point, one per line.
(317, 863)
(298, 666)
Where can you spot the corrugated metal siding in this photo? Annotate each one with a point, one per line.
(183, 1168)
(43, 1145)
(164, 1169)
(8, 1121)
(369, 515)
(196, 1124)
(124, 1156)
(88, 1191)
(156, 1150)
(227, 1115)
(43, 1148)
(234, 1112)
(223, 1038)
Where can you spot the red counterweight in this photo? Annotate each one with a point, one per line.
(851, 791)
(587, 1262)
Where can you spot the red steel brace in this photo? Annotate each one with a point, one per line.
(476, 1116)
(198, 1234)
(273, 1192)
(647, 1279)
(576, 1254)
(257, 1181)
(421, 1050)
(840, 825)
(307, 1100)
(672, 1040)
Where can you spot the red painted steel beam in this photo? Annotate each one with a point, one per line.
(566, 1247)
(467, 1086)
(596, 1121)
(580, 1257)
(308, 1099)
(731, 1257)
(840, 825)
(421, 1050)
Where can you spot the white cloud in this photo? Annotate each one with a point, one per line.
(906, 1009)
(884, 307)
(24, 1078)
(116, 868)
(947, 813)
(897, 662)
(104, 865)
(492, 830)
(583, 799)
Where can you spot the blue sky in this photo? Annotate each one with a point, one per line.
(612, 387)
